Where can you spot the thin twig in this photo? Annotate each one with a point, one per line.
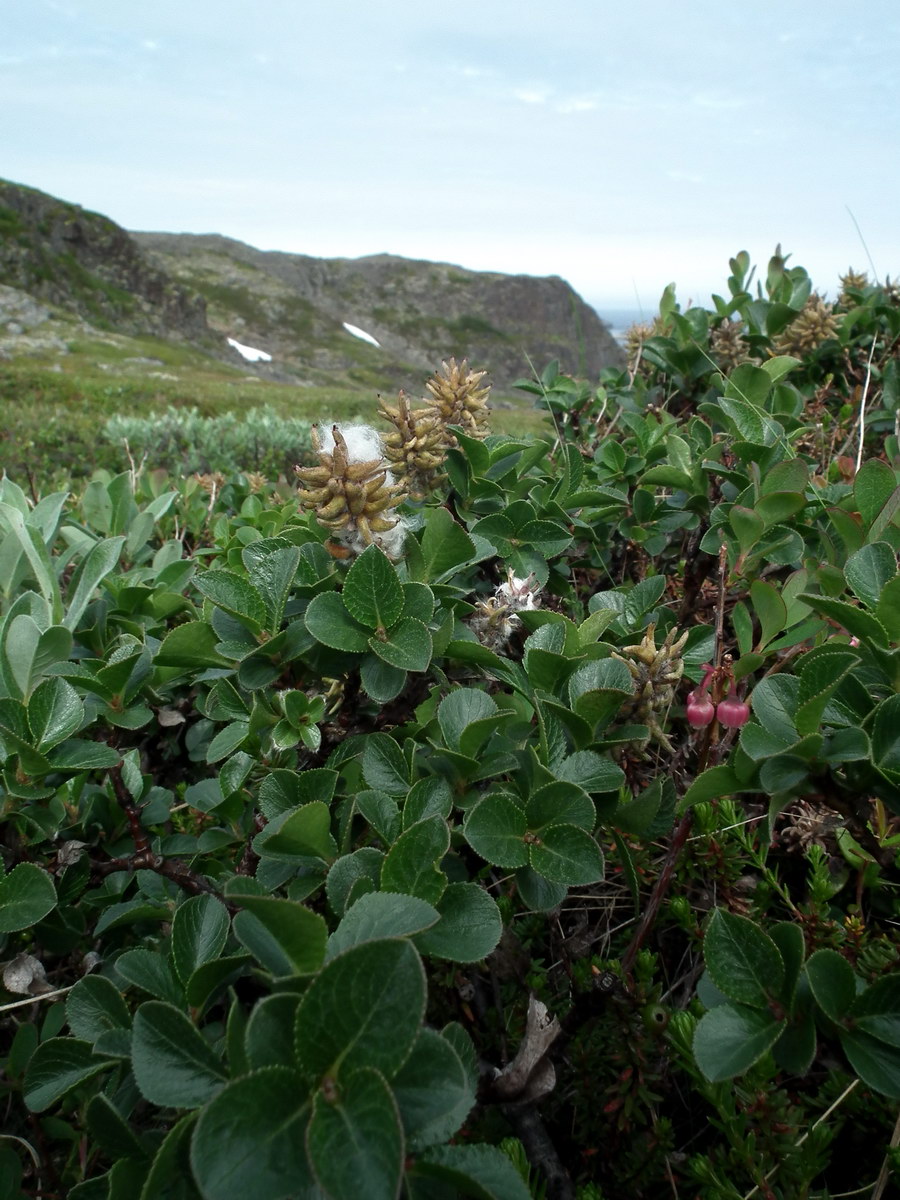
(884, 1174)
(34, 999)
(862, 406)
(815, 1125)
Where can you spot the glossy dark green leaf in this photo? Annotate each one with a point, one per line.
(169, 1177)
(729, 1039)
(383, 765)
(877, 1011)
(199, 930)
(566, 854)
(306, 831)
(94, 1006)
(27, 894)
(284, 936)
(56, 1067)
(875, 1062)
(381, 915)
(174, 1065)
(483, 1172)
(356, 1135)
(363, 1009)
(432, 1091)
(372, 591)
(411, 864)
(328, 620)
(743, 961)
(495, 828)
(469, 928)
(234, 594)
(249, 1141)
(407, 645)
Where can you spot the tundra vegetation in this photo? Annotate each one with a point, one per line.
(472, 814)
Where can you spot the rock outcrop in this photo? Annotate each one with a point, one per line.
(295, 307)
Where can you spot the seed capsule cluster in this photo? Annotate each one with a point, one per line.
(656, 671)
(417, 446)
(458, 399)
(815, 324)
(353, 498)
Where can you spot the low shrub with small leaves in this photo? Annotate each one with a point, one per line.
(472, 815)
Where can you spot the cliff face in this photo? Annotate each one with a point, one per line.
(88, 265)
(294, 307)
(200, 290)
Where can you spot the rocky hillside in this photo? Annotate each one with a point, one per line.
(66, 272)
(296, 308)
(88, 266)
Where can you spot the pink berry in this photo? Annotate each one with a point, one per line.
(732, 713)
(699, 710)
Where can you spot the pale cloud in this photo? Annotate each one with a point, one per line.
(149, 44)
(532, 95)
(680, 176)
(577, 104)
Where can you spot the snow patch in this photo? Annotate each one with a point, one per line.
(250, 352)
(361, 333)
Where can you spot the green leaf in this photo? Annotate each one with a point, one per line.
(78, 754)
(411, 864)
(272, 573)
(150, 971)
(559, 803)
(382, 812)
(874, 490)
(94, 1006)
(712, 783)
(249, 1140)
(174, 1065)
(372, 590)
(886, 734)
(591, 771)
(729, 1039)
(285, 937)
(384, 766)
(445, 544)
(190, 645)
(877, 1011)
(495, 828)
(169, 1177)
(356, 1135)
(380, 681)
(381, 915)
(743, 961)
(407, 645)
(869, 569)
(27, 894)
(461, 708)
(832, 982)
(566, 854)
(199, 931)
(429, 797)
(876, 1063)
(363, 1009)
(227, 741)
(56, 1067)
(269, 1034)
(100, 560)
(820, 673)
(306, 831)
(328, 620)
(235, 595)
(748, 526)
(769, 608)
(482, 1172)
(432, 1091)
(469, 928)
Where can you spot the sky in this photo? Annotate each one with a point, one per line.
(620, 144)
